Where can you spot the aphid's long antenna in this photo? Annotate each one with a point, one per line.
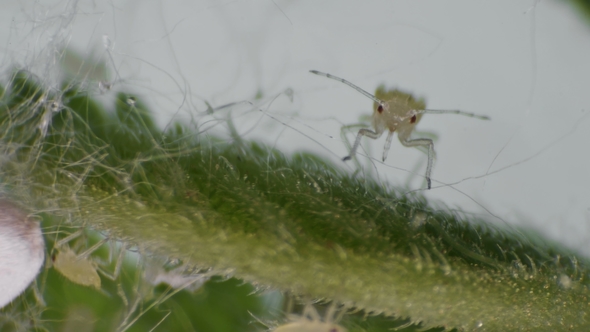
(377, 100)
(472, 115)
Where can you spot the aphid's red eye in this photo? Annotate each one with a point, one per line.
(380, 108)
(413, 119)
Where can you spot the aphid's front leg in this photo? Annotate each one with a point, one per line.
(363, 132)
(426, 142)
(387, 145)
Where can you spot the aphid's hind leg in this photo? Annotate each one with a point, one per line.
(426, 142)
(363, 132)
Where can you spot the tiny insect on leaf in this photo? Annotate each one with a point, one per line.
(395, 110)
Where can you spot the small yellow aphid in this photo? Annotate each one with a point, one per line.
(79, 270)
(311, 321)
(396, 110)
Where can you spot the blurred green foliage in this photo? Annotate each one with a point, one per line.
(584, 6)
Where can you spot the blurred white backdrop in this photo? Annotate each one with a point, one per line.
(523, 63)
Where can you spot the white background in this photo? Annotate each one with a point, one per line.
(523, 63)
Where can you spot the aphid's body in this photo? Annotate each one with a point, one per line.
(79, 270)
(401, 115)
(399, 111)
(401, 105)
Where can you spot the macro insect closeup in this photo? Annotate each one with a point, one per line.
(395, 110)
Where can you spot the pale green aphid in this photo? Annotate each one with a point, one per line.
(79, 270)
(399, 111)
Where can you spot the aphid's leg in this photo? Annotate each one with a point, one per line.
(331, 313)
(363, 132)
(69, 238)
(387, 145)
(92, 249)
(426, 142)
(118, 264)
(311, 313)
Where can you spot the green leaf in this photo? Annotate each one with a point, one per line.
(295, 223)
